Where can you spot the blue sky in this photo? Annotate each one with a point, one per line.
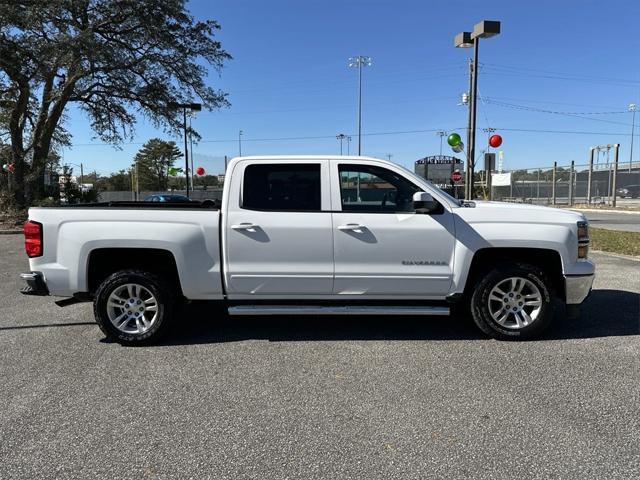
(289, 79)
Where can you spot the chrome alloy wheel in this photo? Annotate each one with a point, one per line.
(132, 308)
(515, 303)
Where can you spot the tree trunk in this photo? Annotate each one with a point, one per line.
(17, 183)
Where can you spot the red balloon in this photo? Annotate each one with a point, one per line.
(495, 141)
(11, 167)
(200, 171)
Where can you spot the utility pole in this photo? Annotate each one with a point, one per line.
(240, 143)
(137, 183)
(632, 108)
(196, 107)
(484, 29)
(186, 152)
(191, 149)
(389, 155)
(474, 107)
(359, 62)
(441, 133)
(468, 172)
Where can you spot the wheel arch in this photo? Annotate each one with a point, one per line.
(549, 261)
(103, 262)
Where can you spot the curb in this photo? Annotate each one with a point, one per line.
(617, 255)
(599, 210)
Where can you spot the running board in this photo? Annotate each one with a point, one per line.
(335, 310)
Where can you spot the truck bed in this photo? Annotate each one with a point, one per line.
(71, 234)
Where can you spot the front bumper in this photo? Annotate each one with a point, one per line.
(35, 284)
(577, 288)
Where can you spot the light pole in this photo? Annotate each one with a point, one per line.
(632, 108)
(194, 107)
(191, 149)
(389, 156)
(348, 145)
(239, 143)
(441, 133)
(341, 137)
(359, 62)
(484, 29)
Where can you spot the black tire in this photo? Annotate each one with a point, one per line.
(161, 290)
(480, 303)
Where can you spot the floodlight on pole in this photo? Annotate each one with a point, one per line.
(341, 137)
(359, 62)
(441, 134)
(484, 29)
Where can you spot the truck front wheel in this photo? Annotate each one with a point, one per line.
(512, 302)
(134, 307)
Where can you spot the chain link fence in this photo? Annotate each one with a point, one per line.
(572, 184)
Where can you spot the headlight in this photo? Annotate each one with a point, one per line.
(583, 239)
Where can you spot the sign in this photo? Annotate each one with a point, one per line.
(489, 161)
(456, 176)
(439, 160)
(501, 179)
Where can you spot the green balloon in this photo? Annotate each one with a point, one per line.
(454, 139)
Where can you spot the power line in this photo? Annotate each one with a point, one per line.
(524, 72)
(565, 74)
(401, 132)
(548, 102)
(540, 110)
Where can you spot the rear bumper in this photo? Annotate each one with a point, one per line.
(35, 284)
(577, 288)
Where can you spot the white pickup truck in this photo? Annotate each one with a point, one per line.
(312, 235)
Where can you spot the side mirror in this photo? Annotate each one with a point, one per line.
(423, 202)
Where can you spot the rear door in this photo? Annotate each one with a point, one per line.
(277, 230)
(382, 246)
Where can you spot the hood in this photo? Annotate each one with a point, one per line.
(483, 211)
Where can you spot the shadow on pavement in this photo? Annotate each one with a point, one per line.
(605, 313)
(46, 325)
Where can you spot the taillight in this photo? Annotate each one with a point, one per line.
(33, 238)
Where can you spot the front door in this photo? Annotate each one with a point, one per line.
(382, 246)
(278, 238)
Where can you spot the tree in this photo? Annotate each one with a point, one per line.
(112, 58)
(153, 161)
(119, 181)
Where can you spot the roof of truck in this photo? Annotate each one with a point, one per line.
(309, 157)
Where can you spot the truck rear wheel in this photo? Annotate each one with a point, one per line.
(134, 307)
(512, 302)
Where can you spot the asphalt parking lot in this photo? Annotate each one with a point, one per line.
(339, 398)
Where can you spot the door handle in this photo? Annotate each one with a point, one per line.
(244, 226)
(355, 227)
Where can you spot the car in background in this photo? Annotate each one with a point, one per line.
(161, 197)
(630, 191)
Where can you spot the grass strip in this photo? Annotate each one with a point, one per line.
(616, 241)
